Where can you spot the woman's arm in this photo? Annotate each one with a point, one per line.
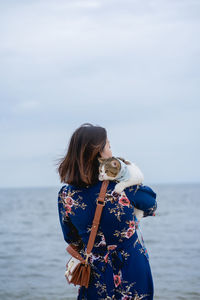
(142, 197)
(70, 233)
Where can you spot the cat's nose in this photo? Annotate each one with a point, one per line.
(100, 177)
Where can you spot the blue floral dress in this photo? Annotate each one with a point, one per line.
(119, 260)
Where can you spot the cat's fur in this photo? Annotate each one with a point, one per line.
(119, 169)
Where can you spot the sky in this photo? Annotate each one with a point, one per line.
(131, 66)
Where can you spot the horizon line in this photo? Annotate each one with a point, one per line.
(57, 186)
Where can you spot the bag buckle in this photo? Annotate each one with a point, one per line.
(101, 201)
(87, 257)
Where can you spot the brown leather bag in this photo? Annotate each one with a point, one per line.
(78, 269)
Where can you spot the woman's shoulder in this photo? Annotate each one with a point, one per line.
(95, 188)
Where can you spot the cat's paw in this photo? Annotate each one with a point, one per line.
(119, 188)
(139, 214)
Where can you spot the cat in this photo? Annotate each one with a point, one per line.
(127, 173)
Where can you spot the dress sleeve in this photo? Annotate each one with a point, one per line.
(70, 233)
(143, 198)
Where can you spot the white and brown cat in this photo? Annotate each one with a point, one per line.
(123, 171)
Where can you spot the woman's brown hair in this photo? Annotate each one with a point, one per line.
(80, 164)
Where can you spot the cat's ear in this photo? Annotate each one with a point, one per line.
(125, 161)
(114, 163)
(101, 160)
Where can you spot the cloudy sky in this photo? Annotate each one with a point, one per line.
(132, 66)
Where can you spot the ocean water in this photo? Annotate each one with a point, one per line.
(33, 255)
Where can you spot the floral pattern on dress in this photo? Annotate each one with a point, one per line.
(120, 201)
(68, 202)
(119, 253)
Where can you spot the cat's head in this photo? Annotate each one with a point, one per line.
(109, 168)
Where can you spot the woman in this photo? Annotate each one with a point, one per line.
(119, 261)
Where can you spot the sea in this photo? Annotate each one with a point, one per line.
(33, 252)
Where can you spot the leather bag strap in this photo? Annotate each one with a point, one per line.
(74, 253)
(97, 216)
